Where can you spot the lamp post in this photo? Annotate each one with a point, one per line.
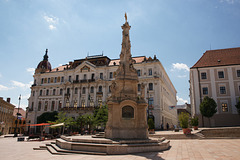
(16, 121)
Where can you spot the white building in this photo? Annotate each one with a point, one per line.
(217, 75)
(82, 85)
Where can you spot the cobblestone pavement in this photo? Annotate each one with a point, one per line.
(210, 149)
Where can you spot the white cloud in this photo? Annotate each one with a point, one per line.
(52, 21)
(181, 100)
(230, 1)
(180, 66)
(21, 85)
(2, 88)
(51, 27)
(31, 70)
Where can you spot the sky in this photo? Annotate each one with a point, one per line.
(178, 32)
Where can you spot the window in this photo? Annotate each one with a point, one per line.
(222, 90)
(77, 77)
(101, 75)
(205, 90)
(48, 81)
(224, 107)
(40, 93)
(83, 103)
(83, 90)
(111, 75)
(91, 103)
(68, 91)
(150, 86)
(33, 93)
(46, 106)
(67, 103)
(84, 76)
(55, 80)
(151, 101)
(238, 73)
(127, 112)
(92, 89)
(42, 81)
(75, 104)
(53, 105)
(76, 91)
(150, 71)
(109, 89)
(100, 89)
(59, 104)
(39, 106)
(220, 74)
(100, 102)
(32, 106)
(139, 72)
(54, 91)
(139, 87)
(93, 76)
(61, 91)
(47, 92)
(203, 75)
(69, 78)
(62, 79)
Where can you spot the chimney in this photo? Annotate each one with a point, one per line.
(8, 100)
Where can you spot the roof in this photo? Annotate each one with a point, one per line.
(137, 60)
(220, 57)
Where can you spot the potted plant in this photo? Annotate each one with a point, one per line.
(151, 126)
(194, 123)
(184, 118)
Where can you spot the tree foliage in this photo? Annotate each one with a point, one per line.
(208, 107)
(183, 119)
(238, 105)
(151, 124)
(101, 116)
(47, 116)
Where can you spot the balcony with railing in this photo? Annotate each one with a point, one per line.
(79, 108)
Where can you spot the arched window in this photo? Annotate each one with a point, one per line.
(92, 89)
(54, 91)
(76, 90)
(68, 91)
(40, 93)
(53, 105)
(127, 112)
(150, 86)
(61, 91)
(47, 92)
(83, 90)
(100, 89)
(39, 106)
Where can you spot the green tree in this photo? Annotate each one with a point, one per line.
(183, 119)
(88, 120)
(238, 106)
(47, 116)
(101, 116)
(62, 117)
(151, 124)
(208, 107)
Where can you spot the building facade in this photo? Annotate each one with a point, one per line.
(217, 75)
(6, 116)
(84, 84)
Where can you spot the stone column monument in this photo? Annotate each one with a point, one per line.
(126, 110)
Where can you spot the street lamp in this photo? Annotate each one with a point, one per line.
(16, 121)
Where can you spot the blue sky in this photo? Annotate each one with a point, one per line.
(177, 31)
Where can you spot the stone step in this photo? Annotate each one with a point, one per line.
(41, 148)
(200, 135)
(66, 151)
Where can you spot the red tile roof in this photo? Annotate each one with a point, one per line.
(220, 57)
(137, 59)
